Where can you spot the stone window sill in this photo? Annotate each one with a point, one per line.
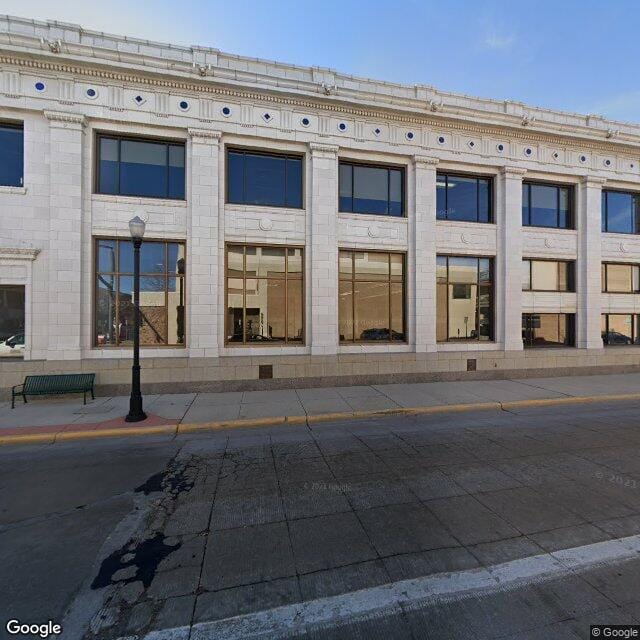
(15, 190)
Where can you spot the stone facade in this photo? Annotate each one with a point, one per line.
(47, 226)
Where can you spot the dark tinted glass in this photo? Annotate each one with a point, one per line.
(265, 180)
(620, 212)
(12, 319)
(262, 179)
(143, 169)
(235, 177)
(11, 156)
(372, 190)
(294, 183)
(346, 187)
(176, 171)
(108, 176)
(463, 198)
(544, 206)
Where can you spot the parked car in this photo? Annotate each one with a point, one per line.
(615, 337)
(12, 346)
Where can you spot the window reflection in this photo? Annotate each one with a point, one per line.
(371, 296)
(264, 179)
(143, 168)
(264, 294)
(371, 189)
(11, 155)
(546, 205)
(620, 278)
(464, 298)
(464, 198)
(12, 326)
(548, 329)
(619, 212)
(548, 275)
(162, 293)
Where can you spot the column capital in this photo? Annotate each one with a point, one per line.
(64, 119)
(425, 160)
(592, 181)
(204, 136)
(319, 148)
(512, 171)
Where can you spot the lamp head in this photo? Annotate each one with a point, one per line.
(136, 228)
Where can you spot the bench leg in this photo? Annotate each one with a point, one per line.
(84, 393)
(13, 400)
(24, 397)
(92, 396)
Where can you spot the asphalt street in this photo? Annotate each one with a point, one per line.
(335, 530)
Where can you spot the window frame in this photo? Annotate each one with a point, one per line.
(117, 274)
(376, 165)
(571, 275)
(558, 186)
(389, 282)
(492, 270)
(99, 135)
(570, 325)
(477, 176)
(635, 321)
(604, 212)
(18, 126)
(285, 279)
(273, 154)
(603, 288)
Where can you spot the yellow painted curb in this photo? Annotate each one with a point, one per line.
(130, 431)
(177, 429)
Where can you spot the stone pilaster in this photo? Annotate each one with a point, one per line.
(66, 132)
(422, 261)
(203, 277)
(508, 267)
(588, 285)
(323, 248)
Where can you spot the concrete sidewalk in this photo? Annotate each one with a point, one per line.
(68, 414)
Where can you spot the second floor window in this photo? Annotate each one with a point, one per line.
(142, 168)
(620, 278)
(11, 155)
(620, 212)
(548, 275)
(371, 189)
(464, 198)
(546, 205)
(264, 179)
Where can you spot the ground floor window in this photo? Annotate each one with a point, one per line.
(11, 321)
(620, 329)
(464, 298)
(371, 296)
(548, 329)
(265, 294)
(162, 293)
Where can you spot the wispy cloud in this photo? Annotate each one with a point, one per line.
(498, 41)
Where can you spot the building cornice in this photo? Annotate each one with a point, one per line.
(204, 135)
(318, 147)
(64, 117)
(68, 49)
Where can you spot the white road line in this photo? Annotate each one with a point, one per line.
(283, 621)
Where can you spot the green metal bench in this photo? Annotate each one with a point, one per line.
(45, 385)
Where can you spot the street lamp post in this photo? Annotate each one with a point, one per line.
(136, 414)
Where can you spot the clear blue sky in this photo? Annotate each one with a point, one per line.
(576, 55)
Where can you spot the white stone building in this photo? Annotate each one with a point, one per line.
(372, 190)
